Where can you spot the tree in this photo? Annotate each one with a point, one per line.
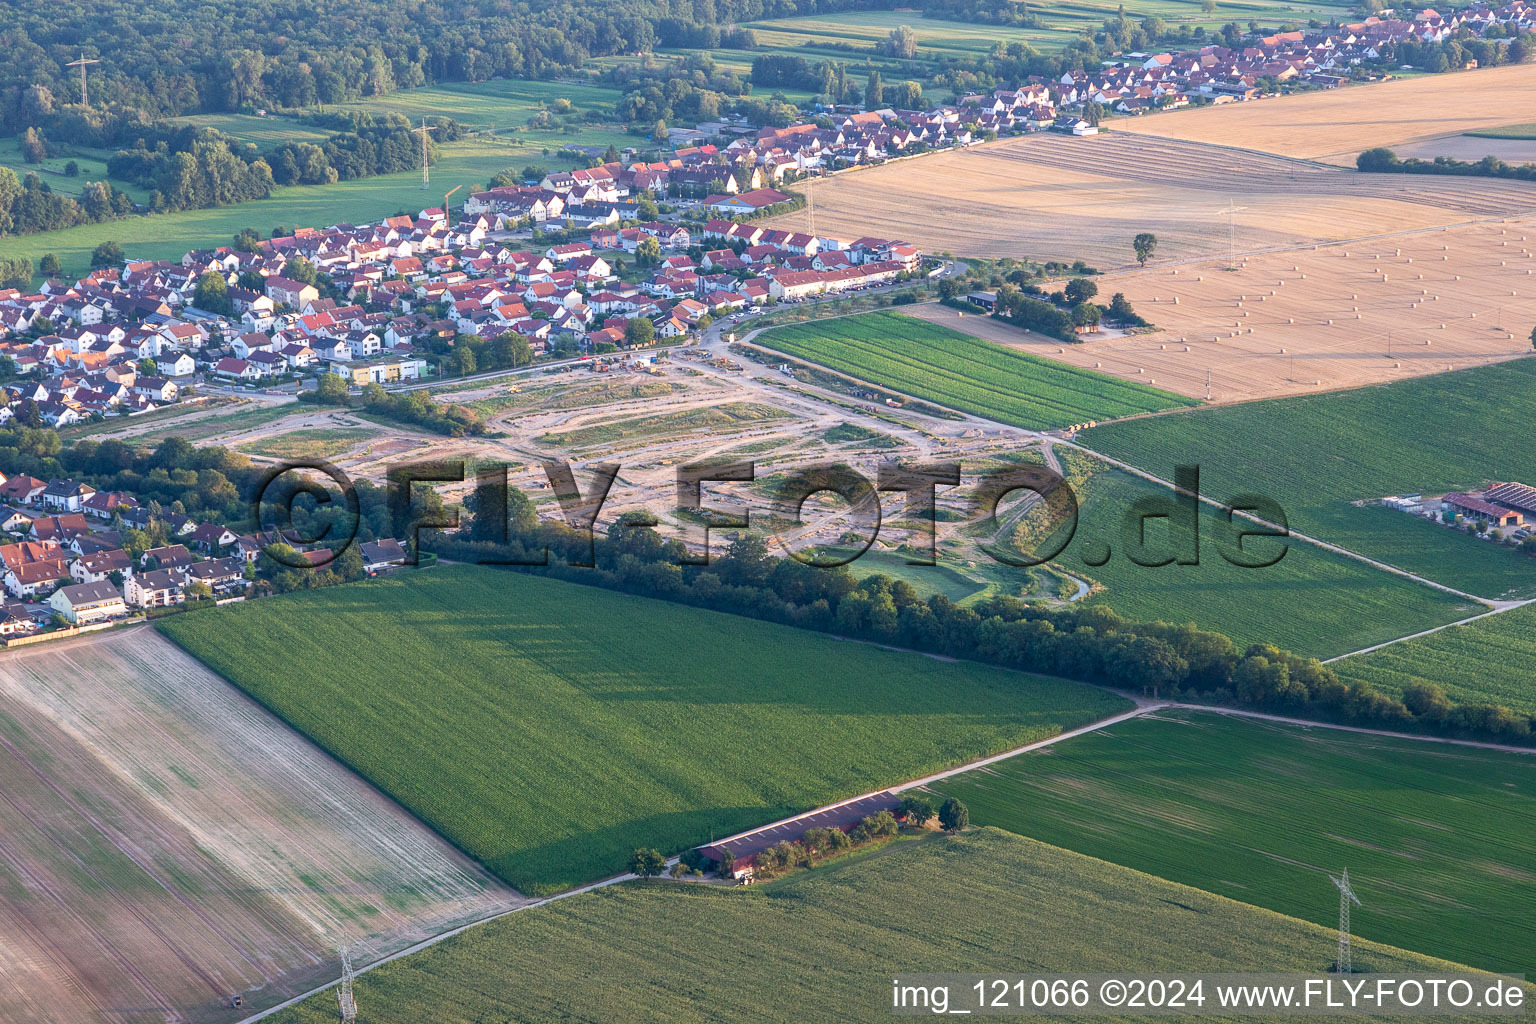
(874, 92)
(902, 42)
(107, 254)
(464, 359)
(1145, 245)
(1086, 314)
(301, 270)
(1533, 337)
(953, 816)
(1080, 289)
(915, 809)
(33, 149)
(726, 864)
(648, 252)
(212, 294)
(647, 862)
(639, 332)
(646, 207)
(1208, 6)
(148, 368)
(71, 170)
(50, 265)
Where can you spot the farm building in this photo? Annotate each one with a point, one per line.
(748, 845)
(1520, 497)
(1476, 508)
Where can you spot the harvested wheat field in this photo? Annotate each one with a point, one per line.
(166, 844)
(1337, 124)
(1314, 319)
(1049, 196)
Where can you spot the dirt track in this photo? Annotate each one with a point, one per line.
(165, 844)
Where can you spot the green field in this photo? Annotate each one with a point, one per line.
(1437, 839)
(497, 105)
(936, 364)
(1492, 660)
(1509, 131)
(469, 162)
(1318, 454)
(827, 940)
(549, 728)
(266, 132)
(1312, 601)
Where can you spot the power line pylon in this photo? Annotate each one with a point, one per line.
(422, 131)
(344, 997)
(1346, 897)
(82, 64)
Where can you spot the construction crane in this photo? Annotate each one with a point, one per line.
(447, 211)
(82, 64)
(422, 131)
(1346, 897)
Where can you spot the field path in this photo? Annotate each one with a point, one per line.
(1501, 607)
(1325, 545)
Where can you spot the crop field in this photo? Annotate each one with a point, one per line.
(166, 844)
(1312, 601)
(1436, 838)
(1319, 455)
(1315, 319)
(548, 728)
(857, 36)
(1487, 661)
(1048, 196)
(937, 364)
(1336, 124)
(1527, 130)
(986, 901)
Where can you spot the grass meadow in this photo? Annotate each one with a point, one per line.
(1492, 660)
(1312, 601)
(1436, 838)
(983, 901)
(933, 363)
(1319, 455)
(548, 728)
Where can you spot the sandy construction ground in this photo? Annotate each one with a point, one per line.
(1315, 319)
(1337, 124)
(1050, 196)
(166, 844)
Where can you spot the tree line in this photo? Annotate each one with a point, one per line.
(1384, 161)
(1090, 643)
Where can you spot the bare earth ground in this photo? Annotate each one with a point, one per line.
(1337, 124)
(1313, 319)
(165, 844)
(1050, 196)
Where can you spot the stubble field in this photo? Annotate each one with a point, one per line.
(1048, 196)
(1314, 319)
(166, 844)
(1337, 124)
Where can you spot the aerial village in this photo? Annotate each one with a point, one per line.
(130, 338)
